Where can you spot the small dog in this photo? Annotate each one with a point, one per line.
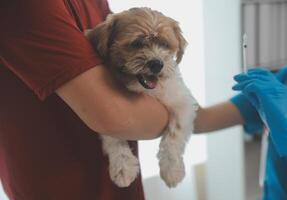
(142, 47)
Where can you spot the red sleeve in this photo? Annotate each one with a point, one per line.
(42, 44)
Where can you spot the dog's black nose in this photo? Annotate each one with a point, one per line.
(155, 65)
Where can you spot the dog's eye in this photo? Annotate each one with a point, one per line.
(164, 44)
(137, 44)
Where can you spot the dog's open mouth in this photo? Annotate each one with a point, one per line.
(147, 81)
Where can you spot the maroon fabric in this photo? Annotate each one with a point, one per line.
(46, 152)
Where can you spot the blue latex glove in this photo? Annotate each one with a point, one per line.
(281, 75)
(269, 96)
(252, 121)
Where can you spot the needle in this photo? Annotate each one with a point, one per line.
(244, 49)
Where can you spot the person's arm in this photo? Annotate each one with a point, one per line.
(50, 52)
(109, 109)
(217, 117)
(238, 110)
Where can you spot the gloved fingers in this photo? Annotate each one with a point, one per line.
(263, 74)
(240, 78)
(253, 87)
(243, 77)
(252, 91)
(258, 71)
(250, 85)
(241, 85)
(281, 75)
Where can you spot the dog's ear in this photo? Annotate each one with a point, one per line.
(102, 36)
(182, 43)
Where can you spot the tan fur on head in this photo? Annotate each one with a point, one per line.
(128, 40)
(102, 36)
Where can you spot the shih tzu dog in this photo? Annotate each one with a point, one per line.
(142, 48)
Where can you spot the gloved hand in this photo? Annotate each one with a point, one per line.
(269, 96)
(281, 75)
(252, 121)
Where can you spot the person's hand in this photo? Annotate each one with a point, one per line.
(281, 75)
(252, 123)
(269, 96)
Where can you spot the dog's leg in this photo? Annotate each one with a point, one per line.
(171, 153)
(170, 156)
(123, 165)
(182, 113)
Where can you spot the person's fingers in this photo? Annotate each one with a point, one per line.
(262, 74)
(281, 75)
(241, 85)
(253, 87)
(256, 86)
(252, 91)
(241, 77)
(248, 76)
(258, 71)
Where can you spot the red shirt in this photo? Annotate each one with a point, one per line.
(46, 151)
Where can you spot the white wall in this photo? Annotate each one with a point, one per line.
(225, 177)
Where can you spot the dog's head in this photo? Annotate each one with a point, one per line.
(141, 45)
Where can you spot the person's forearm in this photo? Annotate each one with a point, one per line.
(217, 117)
(139, 119)
(109, 109)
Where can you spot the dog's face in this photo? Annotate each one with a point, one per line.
(142, 46)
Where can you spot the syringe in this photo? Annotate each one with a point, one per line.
(264, 141)
(244, 49)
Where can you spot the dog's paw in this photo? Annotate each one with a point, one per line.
(172, 171)
(124, 169)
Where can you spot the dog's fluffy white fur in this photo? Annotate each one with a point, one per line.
(127, 41)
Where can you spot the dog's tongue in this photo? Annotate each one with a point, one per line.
(148, 81)
(151, 81)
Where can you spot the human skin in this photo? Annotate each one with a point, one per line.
(109, 109)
